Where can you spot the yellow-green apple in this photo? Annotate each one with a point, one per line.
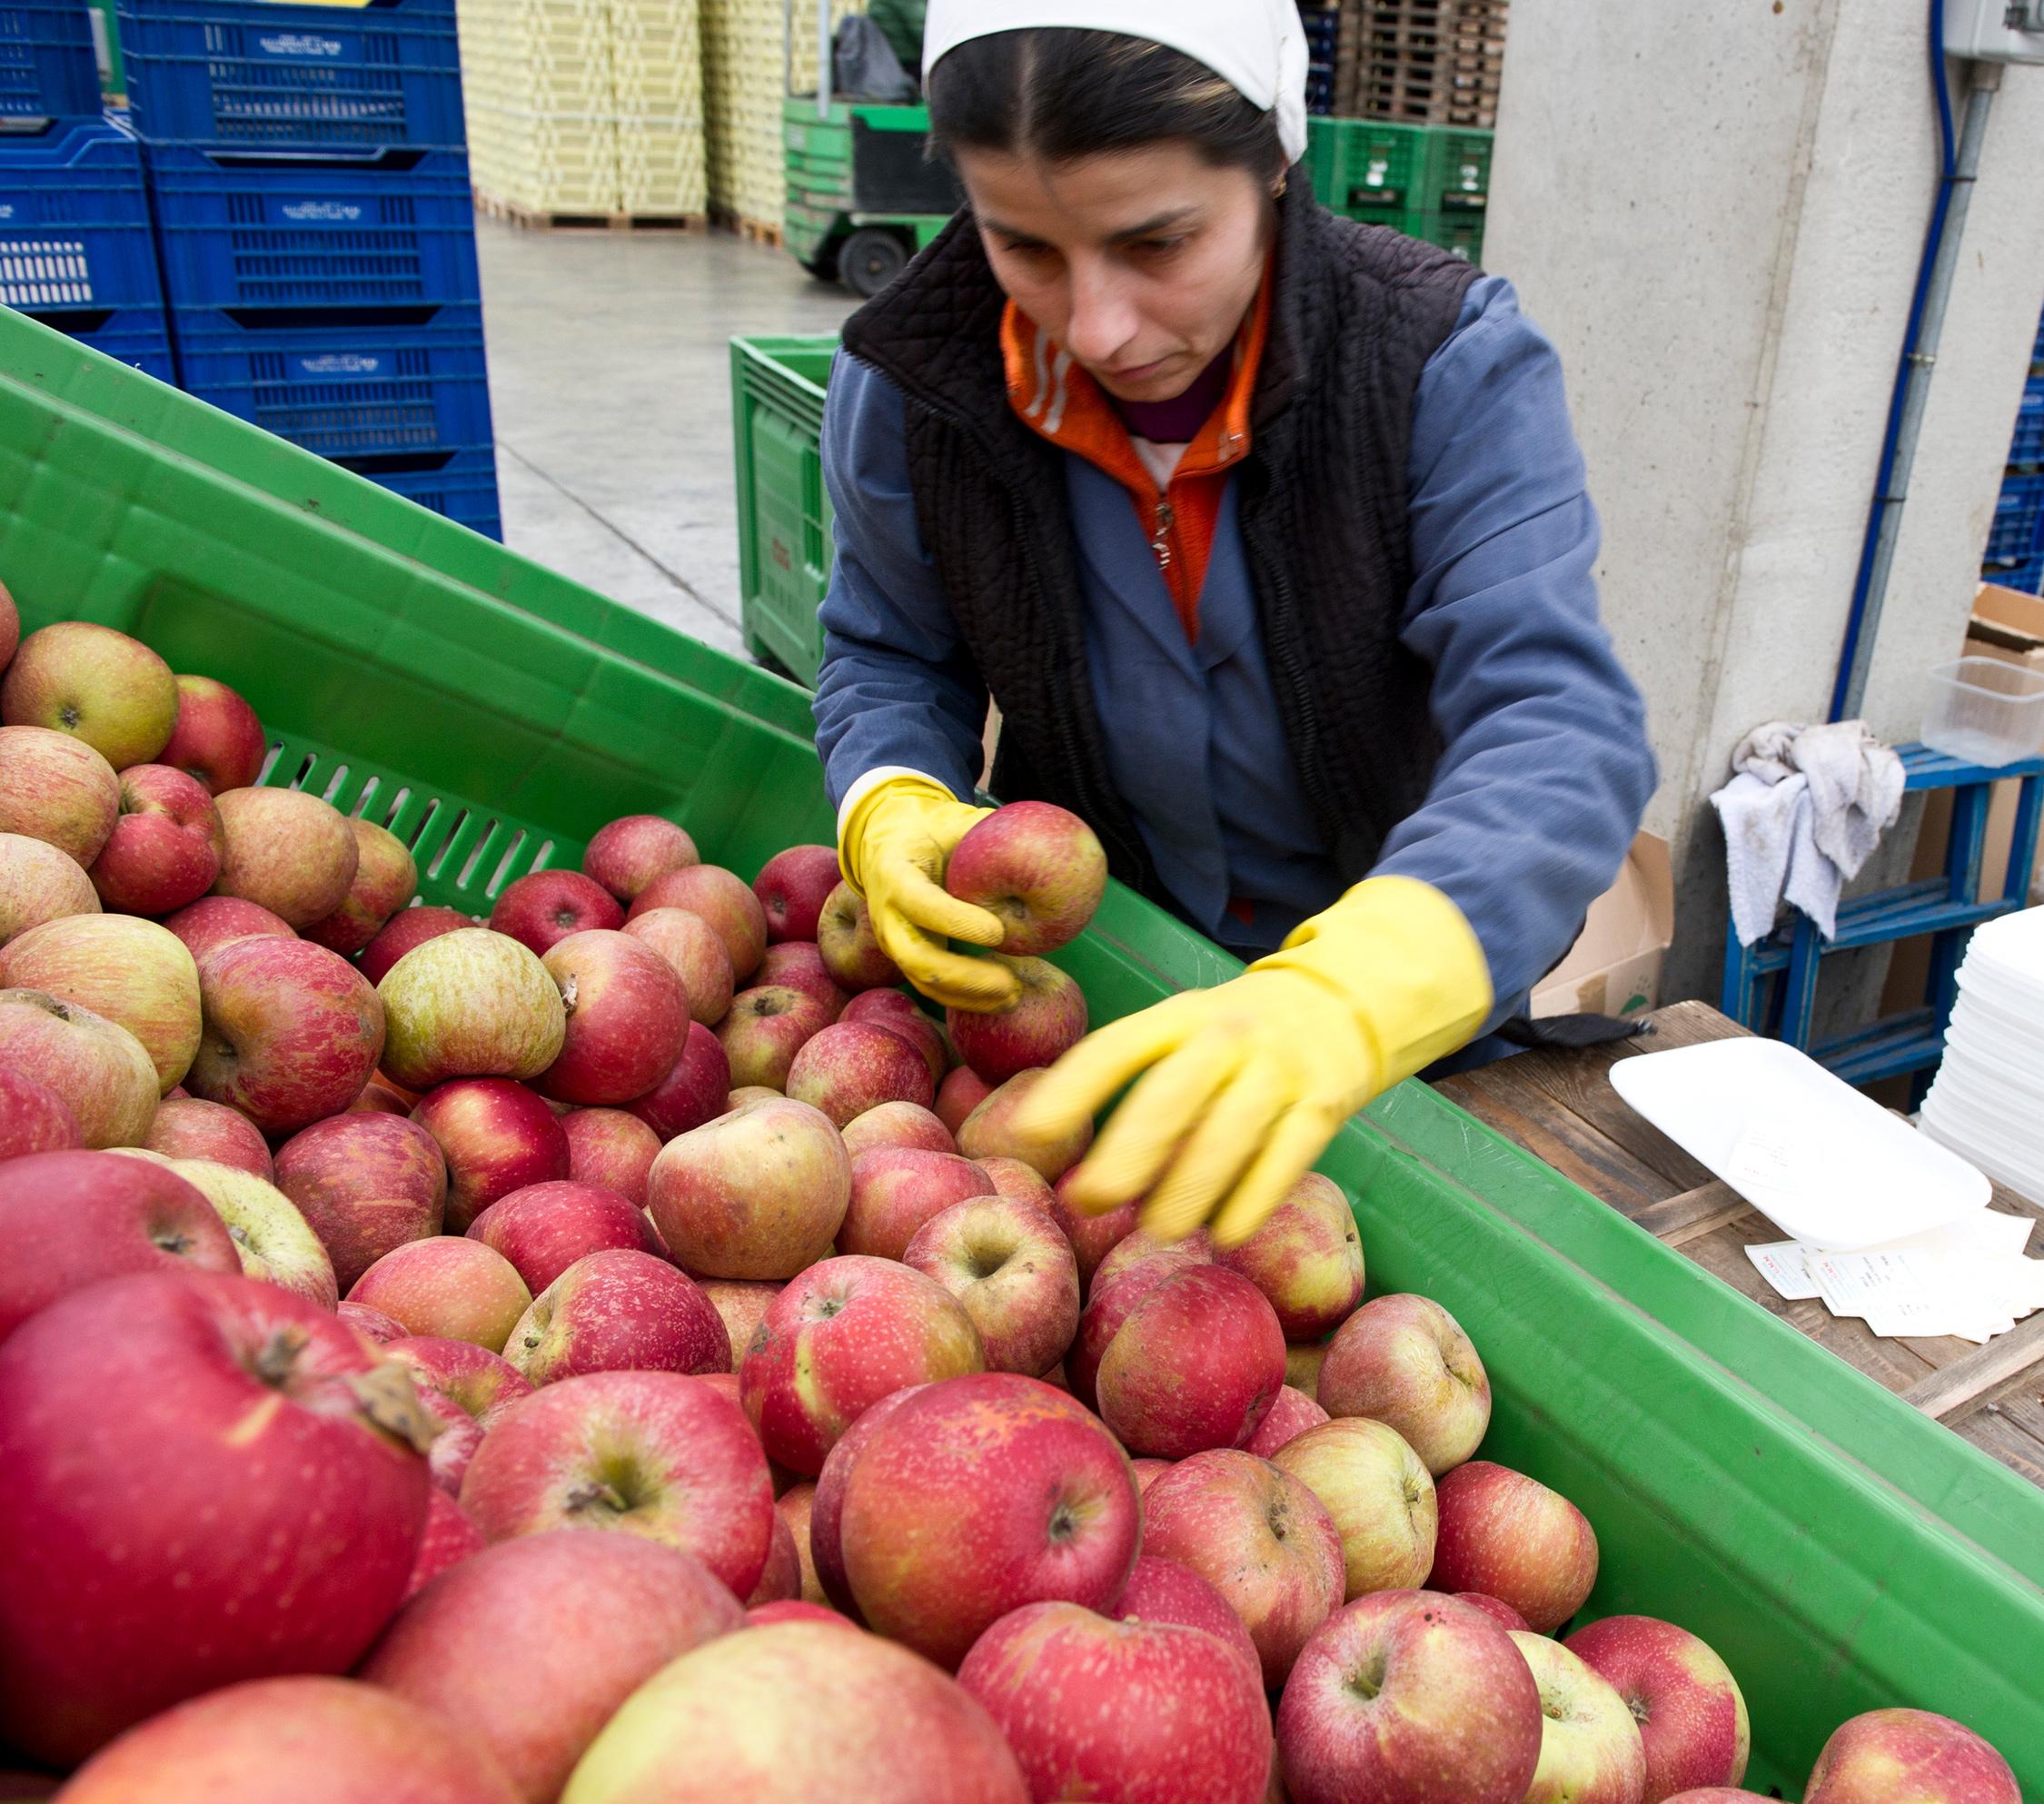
(447, 1286)
(743, 1094)
(1115, 1295)
(780, 1582)
(723, 899)
(1093, 1237)
(1589, 1748)
(1044, 1025)
(827, 1553)
(1302, 1363)
(850, 949)
(34, 1118)
(125, 970)
(1510, 1537)
(692, 1093)
(961, 1092)
(188, 1128)
(850, 1068)
(610, 1150)
(1306, 1258)
(798, 965)
(98, 1068)
(758, 1193)
(1007, 1263)
(764, 1030)
(405, 929)
(111, 692)
(39, 882)
(837, 1339)
(292, 1032)
(137, 1411)
(70, 1219)
(981, 1494)
(898, 1125)
(627, 1018)
(372, 1324)
(1039, 868)
(695, 955)
(365, 1184)
(793, 1712)
(1259, 1537)
(449, 1539)
(544, 1228)
(1162, 1590)
(57, 789)
(1896, 1754)
(1496, 1608)
(742, 1305)
(276, 1244)
(166, 846)
(990, 1132)
(1404, 1360)
(895, 1190)
(893, 1010)
(625, 855)
(1195, 1365)
(496, 1136)
(1287, 1418)
(1147, 1712)
(543, 907)
(796, 1505)
(1379, 1495)
(620, 1310)
(386, 880)
(314, 1739)
(286, 851)
(217, 739)
(618, 1609)
(473, 1003)
(1404, 1694)
(648, 1454)
(792, 888)
(213, 920)
(1691, 1715)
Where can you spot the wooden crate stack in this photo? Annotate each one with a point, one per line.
(1423, 62)
(748, 73)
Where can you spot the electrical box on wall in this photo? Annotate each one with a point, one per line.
(1995, 31)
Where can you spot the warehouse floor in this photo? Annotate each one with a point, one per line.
(609, 378)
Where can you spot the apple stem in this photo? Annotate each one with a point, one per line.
(277, 1356)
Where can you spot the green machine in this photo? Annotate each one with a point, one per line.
(862, 198)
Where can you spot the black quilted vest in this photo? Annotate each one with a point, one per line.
(1356, 312)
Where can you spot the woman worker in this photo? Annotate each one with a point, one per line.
(1267, 532)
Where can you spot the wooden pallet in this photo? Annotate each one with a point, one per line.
(755, 231)
(541, 220)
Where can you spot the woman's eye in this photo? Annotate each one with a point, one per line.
(1159, 247)
(1026, 250)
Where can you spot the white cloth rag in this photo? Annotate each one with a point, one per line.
(1802, 816)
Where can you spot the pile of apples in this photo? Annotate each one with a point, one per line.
(624, 1354)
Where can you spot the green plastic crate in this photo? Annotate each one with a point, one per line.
(1457, 174)
(1367, 169)
(1462, 233)
(1840, 1550)
(784, 515)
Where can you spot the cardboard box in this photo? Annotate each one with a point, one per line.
(1614, 967)
(2007, 624)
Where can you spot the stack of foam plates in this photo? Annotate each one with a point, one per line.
(1988, 1102)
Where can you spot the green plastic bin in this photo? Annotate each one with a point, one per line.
(1842, 1551)
(1462, 233)
(784, 515)
(1457, 174)
(1367, 169)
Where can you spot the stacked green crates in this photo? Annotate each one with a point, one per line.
(784, 515)
(1430, 182)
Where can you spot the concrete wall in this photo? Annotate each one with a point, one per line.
(1716, 211)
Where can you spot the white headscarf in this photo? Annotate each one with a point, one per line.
(1258, 46)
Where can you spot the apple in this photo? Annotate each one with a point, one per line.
(990, 1132)
(765, 1029)
(1896, 1754)
(1499, 1611)
(1379, 1495)
(1148, 1471)
(447, 1286)
(743, 1306)
(615, 1610)
(1303, 1365)
(648, 1454)
(449, 1539)
(781, 1581)
(1306, 1258)
(97, 1068)
(851, 950)
(497, 1136)
(1141, 1250)
(544, 1228)
(136, 1413)
(39, 882)
(1259, 1537)
(386, 880)
(827, 1553)
(903, 1125)
(1510, 1537)
(1195, 1366)
(1404, 1694)
(620, 1310)
(610, 1150)
(1117, 1290)
(473, 1003)
(1162, 1590)
(798, 965)
(166, 846)
(10, 627)
(405, 929)
(186, 1127)
(627, 1018)
(1691, 1715)
(1037, 867)
(276, 1244)
(287, 851)
(107, 689)
(126, 970)
(626, 855)
(366, 1185)
(893, 1010)
(57, 789)
(70, 1219)
(750, 1093)
(34, 1118)
(1046, 1024)
(896, 1190)
(796, 1610)
(961, 1092)
(217, 739)
(1287, 1418)
(696, 956)
(543, 907)
(850, 1068)
(792, 888)
(759, 1193)
(796, 1505)
(1092, 1236)
(1007, 1263)
(372, 1324)
(213, 920)
(477, 1382)
(1404, 1360)
(1590, 1751)
(795, 1712)
(837, 1339)
(691, 1094)
(724, 900)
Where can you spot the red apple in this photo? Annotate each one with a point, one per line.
(895, 1191)
(1115, 1295)
(470, 1004)
(781, 1581)
(1896, 1754)
(386, 880)
(127, 971)
(1691, 1716)
(1510, 1537)
(627, 1018)
(366, 1185)
(1589, 1748)
(610, 1150)
(648, 1454)
(1306, 1258)
(1092, 1236)
(1195, 1366)
(57, 789)
(795, 1506)
(10, 627)
(692, 1093)
(186, 1127)
(961, 1092)
(906, 1126)
(695, 955)
(449, 1539)
(758, 1193)
(1378, 1493)
(1404, 1360)
(798, 965)
(618, 1311)
(543, 907)
(988, 1133)
(1038, 867)
(544, 1228)
(1142, 1251)
(1162, 1590)
(34, 1118)
(372, 1324)
(39, 882)
(137, 1411)
(477, 1382)
(844, 939)
(405, 929)
(98, 1068)
(1288, 1417)
(447, 1286)
(1303, 1366)
(275, 1243)
(1046, 1024)
(765, 1029)
(213, 920)
(893, 1010)
(628, 854)
(1007, 1263)
(1259, 1537)
(287, 851)
(1499, 1611)
(850, 1068)
(496, 1136)
(166, 847)
(1148, 1471)
(724, 900)
(109, 691)
(217, 739)
(827, 1553)
(792, 888)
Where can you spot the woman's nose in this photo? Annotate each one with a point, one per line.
(1103, 319)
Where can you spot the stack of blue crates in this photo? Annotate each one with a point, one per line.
(310, 183)
(1323, 33)
(2015, 551)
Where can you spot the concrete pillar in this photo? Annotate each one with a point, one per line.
(1717, 210)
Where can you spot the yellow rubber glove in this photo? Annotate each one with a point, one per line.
(1241, 1087)
(893, 846)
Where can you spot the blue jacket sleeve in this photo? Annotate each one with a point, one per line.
(1546, 769)
(897, 686)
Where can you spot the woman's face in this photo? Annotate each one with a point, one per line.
(1142, 264)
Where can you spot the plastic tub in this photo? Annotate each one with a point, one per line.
(1985, 711)
(75, 222)
(48, 69)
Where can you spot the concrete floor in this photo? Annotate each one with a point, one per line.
(609, 378)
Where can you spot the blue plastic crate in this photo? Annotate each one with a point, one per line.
(460, 485)
(2028, 446)
(241, 73)
(136, 336)
(48, 69)
(2028, 578)
(237, 231)
(75, 222)
(2018, 521)
(343, 390)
